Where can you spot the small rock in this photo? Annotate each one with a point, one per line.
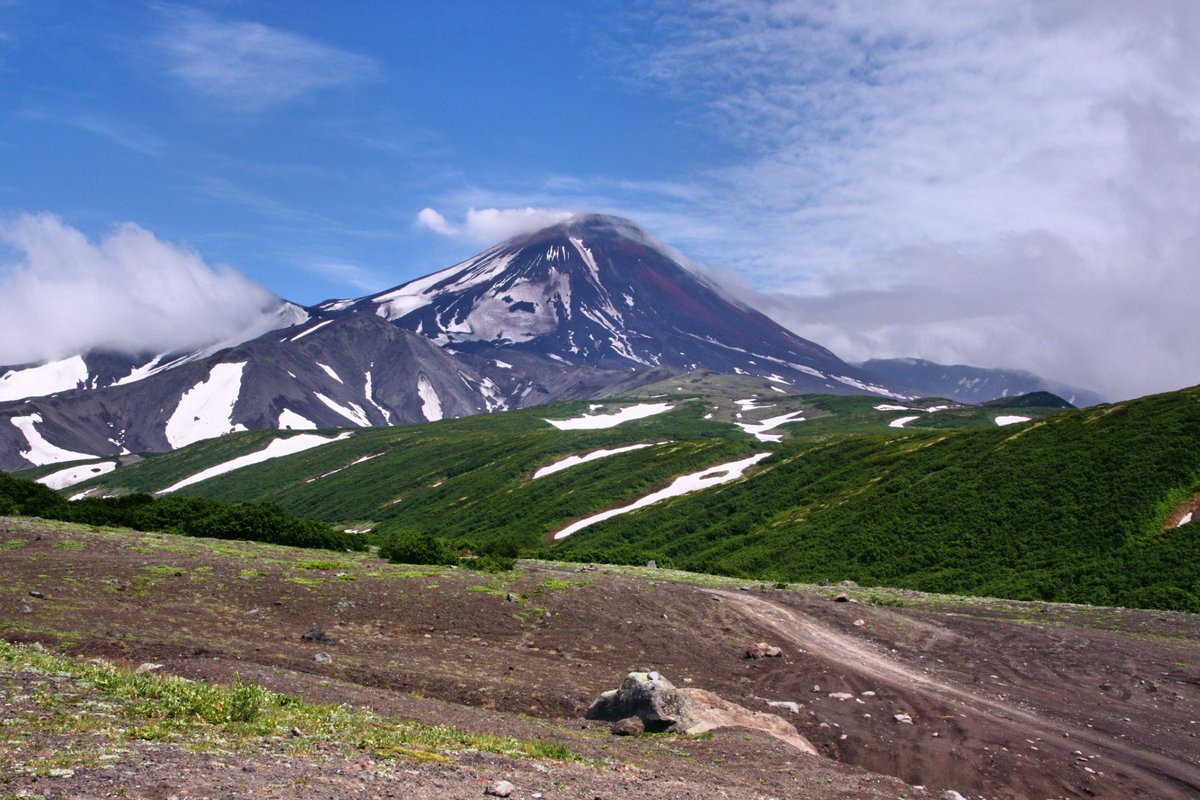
(295, 733)
(510, 597)
(38, 595)
(314, 635)
(903, 718)
(950, 794)
(843, 696)
(500, 789)
(763, 650)
(848, 585)
(26, 608)
(868, 694)
(148, 667)
(630, 726)
(859, 623)
(323, 658)
(841, 598)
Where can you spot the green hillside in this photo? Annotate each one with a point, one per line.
(1072, 506)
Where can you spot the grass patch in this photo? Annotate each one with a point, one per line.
(155, 707)
(321, 565)
(70, 544)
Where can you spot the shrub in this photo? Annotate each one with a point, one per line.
(415, 547)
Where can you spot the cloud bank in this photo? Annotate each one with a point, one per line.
(1011, 184)
(250, 66)
(129, 292)
(490, 225)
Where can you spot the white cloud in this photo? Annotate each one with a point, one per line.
(491, 225)
(991, 183)
(129, 291)
(249, 66)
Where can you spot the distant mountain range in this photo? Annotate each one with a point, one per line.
(573, 311)
(968, 384)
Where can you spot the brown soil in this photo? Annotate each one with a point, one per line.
(1007, 700)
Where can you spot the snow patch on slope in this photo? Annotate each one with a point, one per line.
(572, 461)
(431, 404)
(306, 332)
(900, 422)
(276, 449)
(369, 393)
(759, 429)
(73, 475)
(329, 371)
(40, 451)
(354, 412)
(48, 378)
(599, 421)
(693, 482)
(291, 421)
(1010, 420)
(206, 410)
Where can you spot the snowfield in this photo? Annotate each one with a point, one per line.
(572, 461)
(55, 376)
(684, 484)
(206, 410)
(42, 452)
(291, 421)
(589, 422)
(276, 449)
(759, 429)
(1013, 420)
(73, 475)
(900, 422)
(431, 404)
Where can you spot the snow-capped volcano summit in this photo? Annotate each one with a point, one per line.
(567, 312)
(598, 291)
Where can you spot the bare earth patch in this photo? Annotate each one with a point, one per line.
(1003, 699)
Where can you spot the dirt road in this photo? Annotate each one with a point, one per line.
(1144, 770)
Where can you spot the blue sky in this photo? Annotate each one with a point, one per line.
(1004, 184)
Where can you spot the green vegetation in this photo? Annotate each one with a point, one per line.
(1068, 508)
(195, 516)
(156, 707)
(1072, 506)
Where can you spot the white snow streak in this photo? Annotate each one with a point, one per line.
(206, 410)
(329, 371)
(759, 429)
(276, 449)
(339, 469)
(595, 455)
(900, 422)
(1012, 420)
(888, 407)
(73, 475)
(369, 392)
(48, 378)
(1184, 520)
(354, 413)
(40, 451)
(598, 421)
(693, 482)
(302, 334)
(431, 404)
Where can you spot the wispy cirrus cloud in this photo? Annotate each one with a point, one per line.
(249, 66)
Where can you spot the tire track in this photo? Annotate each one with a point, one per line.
(1158, 773)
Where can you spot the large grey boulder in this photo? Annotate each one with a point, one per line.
(648, 696)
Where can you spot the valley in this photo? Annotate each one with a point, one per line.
(1005, 699)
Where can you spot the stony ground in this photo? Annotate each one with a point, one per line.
(904, 695)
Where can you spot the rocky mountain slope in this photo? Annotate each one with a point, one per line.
(568, 312)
